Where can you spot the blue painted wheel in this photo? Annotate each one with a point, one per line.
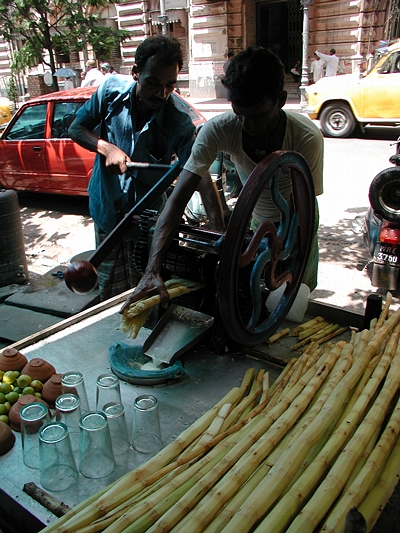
(254, 265)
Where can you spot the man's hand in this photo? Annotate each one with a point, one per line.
(149, 284)
(116, 158)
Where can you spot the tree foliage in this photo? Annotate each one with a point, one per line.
(42, 28)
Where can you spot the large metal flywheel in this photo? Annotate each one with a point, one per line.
(255, 264)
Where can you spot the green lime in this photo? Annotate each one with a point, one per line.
(28, 390)
(3, 409)
(8, 405)
(37, 385)
(5, 419)
(38, 395)
(12, 397)
(24, 381)
(1, 374)
(5, 388)
(18, 390)
(10, 376)
(2, 397)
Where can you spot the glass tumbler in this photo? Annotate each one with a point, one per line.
(73, 382)
(33, 417)
(107, 390)
(57, 465)
(68, 411)
(96, 458)
(115, 413)
(146, 432)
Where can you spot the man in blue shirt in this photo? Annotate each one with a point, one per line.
(134, 120)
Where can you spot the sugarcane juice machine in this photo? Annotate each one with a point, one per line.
(240, 268)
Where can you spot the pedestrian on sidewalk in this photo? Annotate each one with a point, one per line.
(134, 120)
(331, 60)
(296, 71)
(93, 76)
(256, 127)
(227, 62)
(317, 68)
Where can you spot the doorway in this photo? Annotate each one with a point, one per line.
(279, 28)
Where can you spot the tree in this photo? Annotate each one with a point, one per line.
(43, 27)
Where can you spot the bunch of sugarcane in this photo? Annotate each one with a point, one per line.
(295, 456)
(134, 317)
(316, 330)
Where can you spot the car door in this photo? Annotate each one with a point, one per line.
(69, 165)
(381, 90)
(23, 154)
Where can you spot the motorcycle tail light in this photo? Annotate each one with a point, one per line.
(389, 234)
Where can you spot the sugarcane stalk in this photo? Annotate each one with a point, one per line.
(265, 387)
(242, 462)
(373, 504)
(141, 516)
(144, 304)
(310, 331)
(279, 335)
(385, 310)
(366, 476)
(307, 325)
(333, 334)
(319, 504)
(264, 497)
(325, 332)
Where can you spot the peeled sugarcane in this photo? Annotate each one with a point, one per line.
(317, 507)
(134, 317)
(265, 496)
(290, 503)
(375, 501)
(245, 458)
(367, 475)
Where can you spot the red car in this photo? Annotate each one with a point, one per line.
(36, 153)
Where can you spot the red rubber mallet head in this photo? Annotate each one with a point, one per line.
(81, 277)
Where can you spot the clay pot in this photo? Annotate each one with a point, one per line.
(7, 438)
(52, 390)
(39, 369)
(13, 413)
(11, 359)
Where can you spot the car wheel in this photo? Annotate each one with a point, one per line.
(337, 120)
(384, 194)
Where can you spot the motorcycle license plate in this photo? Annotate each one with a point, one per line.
(387, 254)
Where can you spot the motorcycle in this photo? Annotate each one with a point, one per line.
(381, 225)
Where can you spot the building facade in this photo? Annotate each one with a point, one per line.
(209, 29)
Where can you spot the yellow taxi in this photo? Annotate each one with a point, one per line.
(342, 103)
(5, 111)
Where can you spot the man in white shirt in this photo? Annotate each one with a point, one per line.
(317, 68)
(332, 62)
(93, 75)
(256, 127)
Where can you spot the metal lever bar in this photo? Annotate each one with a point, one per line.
(155, 166)
(146, 202)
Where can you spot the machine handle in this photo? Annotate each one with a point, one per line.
(137, 164)
(146, 202)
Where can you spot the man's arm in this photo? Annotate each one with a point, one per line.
(212, 202)
(166, 227)
(116, 159)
